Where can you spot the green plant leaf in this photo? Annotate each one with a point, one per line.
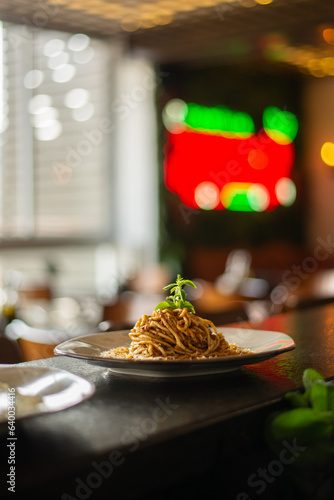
(279, 120)
(310, 376)
(330, 396)
(298, 399)
(168, 287)
(303, 424)
(319, 396)
(189, 306)
(190, 283)
(165, 304)
(177, 297)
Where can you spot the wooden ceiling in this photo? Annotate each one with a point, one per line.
(181, 30)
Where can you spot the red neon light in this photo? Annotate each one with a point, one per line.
(192, 158)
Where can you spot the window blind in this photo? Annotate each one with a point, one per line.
(56, 135)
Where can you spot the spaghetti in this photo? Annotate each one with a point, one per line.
(175, 334)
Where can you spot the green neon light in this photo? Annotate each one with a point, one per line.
(219, 119)
(240, 203)
(281, 125)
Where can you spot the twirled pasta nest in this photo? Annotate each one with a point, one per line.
(175, 334)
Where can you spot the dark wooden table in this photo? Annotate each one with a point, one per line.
(145, 438)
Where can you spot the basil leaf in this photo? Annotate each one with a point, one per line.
(177, 298)
(310, 376)
(168, 287)
(190, 283)
(189, 306)
(165, 304)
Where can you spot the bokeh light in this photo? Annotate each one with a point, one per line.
(328, 35)
(76, 98)
(201, 161)
(44, 117)
(84, 113)
(78, 42)
(49, 132)
(247, 3)
(328, 65)
(58, 61)
(315, 68)
(84, 56)
(64, 74)
(53, 47)
(33, 79)
(174, 114)
(38, 102)
(207, 195)
(327, 153)
(130, 24)
(258, 197)
(280, 125)
(219, 118)
(234, 196)
(285, 191)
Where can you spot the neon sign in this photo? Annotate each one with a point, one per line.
(214, 160)
(219, 119)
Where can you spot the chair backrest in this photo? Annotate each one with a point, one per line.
(35, 350)
(10, 351)
(34, 343)
(27, 294)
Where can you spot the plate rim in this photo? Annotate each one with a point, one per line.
(175, 362)
(38, 411)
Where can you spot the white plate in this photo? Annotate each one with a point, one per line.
(262, 344)
(40, 390)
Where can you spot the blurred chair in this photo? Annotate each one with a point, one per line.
(35, 293)
(35, 350)
(34, 343)
(42, 324)
(10, 352)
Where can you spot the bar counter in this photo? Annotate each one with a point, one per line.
(147, 438)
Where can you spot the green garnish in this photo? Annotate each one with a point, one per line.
(306, 428)
(309, 420)
(177, 298)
